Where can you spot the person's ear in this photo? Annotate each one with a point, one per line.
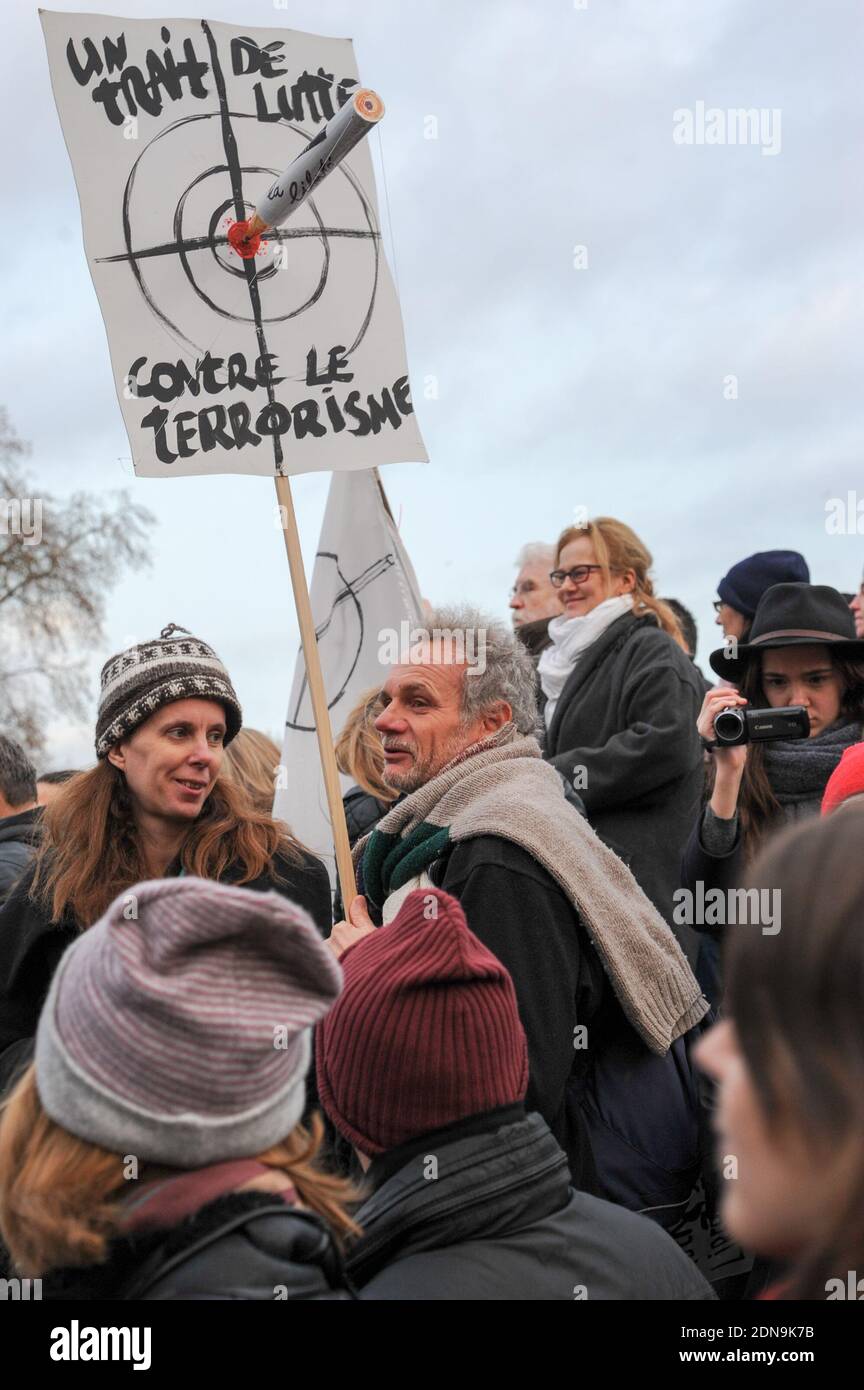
(627, 582)
(497, 717)
(117, 757)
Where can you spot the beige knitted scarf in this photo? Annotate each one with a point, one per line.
(509, 791)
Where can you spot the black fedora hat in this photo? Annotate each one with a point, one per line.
(792, 615)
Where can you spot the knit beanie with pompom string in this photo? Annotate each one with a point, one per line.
(138, 682)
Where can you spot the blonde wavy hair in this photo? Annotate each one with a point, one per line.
(61, 1197)
(617, 549)
(359, 752)
(252, 761)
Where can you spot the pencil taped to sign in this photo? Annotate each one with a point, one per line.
(330, 146)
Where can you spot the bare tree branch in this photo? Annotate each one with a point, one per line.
(59, 560)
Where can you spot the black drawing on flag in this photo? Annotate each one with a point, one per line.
(349, 640)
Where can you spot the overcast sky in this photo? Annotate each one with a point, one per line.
(558, 386)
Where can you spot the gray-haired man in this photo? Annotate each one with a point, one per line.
(483, 817)
(533, 601)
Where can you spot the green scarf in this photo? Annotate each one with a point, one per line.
(390, 861)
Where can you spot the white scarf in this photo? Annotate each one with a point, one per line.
(571, 638)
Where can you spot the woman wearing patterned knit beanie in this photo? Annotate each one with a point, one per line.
(153, 805)
(154, 1151)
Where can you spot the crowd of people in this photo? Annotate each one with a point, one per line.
(510, 1067)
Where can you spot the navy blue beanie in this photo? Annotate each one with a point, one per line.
(746, 582)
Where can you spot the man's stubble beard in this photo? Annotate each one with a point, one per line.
(416, 776)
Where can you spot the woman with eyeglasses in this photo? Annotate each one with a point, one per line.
(620, 696)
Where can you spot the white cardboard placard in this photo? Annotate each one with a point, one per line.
(293, 362)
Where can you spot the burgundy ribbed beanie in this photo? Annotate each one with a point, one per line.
(425, 1032)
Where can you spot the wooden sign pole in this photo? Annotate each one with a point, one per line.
(344, 864)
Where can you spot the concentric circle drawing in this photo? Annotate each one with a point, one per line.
(300, 263)
(345, 616)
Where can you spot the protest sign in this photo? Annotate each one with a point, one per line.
(290, 361)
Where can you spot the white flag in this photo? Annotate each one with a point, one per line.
(363, 590)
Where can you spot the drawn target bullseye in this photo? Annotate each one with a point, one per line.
(199, 224)
(228, 260)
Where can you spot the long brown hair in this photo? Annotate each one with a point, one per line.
(90, 850)
(795, 999)
(618, 548)
(758, 807)
(61, 1197)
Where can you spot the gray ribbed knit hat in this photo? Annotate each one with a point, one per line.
(182, 1035)
(138, 682)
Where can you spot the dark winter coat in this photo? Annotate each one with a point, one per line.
(483, 1210)
(362, 813)
(627, 718)
(19, 836)
(246, 1245)
(519, 912)
(535, 636)
(721, 871)
(31, 946)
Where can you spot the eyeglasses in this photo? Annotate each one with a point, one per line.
(718, 604)
(576, 575)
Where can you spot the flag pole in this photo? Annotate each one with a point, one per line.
(344, 863)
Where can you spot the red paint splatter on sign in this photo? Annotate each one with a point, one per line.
(247, 249)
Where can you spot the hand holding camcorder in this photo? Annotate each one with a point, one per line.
(733, 727)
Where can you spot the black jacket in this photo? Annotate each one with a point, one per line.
(535, 636)
(362, 812)
(247, 1245)
(518, 911)
(627, 716)
(19, 836)
(31, 946)
(483, 1210)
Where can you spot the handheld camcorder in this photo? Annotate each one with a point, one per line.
(736, 726)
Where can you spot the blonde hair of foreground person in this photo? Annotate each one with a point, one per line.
(60, 1196)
